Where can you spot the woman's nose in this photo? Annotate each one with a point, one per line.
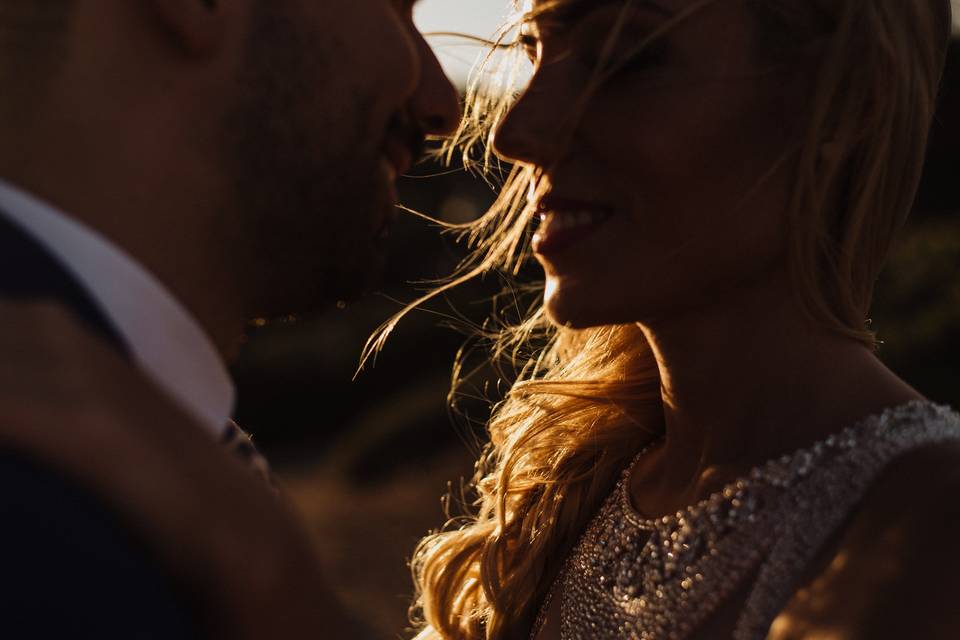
(531, 131)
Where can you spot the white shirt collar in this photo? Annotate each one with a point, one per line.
(164, 339)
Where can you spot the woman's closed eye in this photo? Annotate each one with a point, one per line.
(530, 45)
(622, 41)
(637, 59)
(606, 40)
(630, 49)
(644, 58)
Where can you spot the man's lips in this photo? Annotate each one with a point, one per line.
(398, 156)
(389, 213)
(403, 145)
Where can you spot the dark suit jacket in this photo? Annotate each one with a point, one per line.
(68, 568)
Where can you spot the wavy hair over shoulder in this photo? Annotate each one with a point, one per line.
(587, 400)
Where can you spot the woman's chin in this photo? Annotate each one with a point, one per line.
(582, 305)
(567, 307)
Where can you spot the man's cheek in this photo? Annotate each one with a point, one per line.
(393, 59)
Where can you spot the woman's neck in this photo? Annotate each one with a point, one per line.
(746, 381)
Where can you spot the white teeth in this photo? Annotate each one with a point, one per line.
(563, 220)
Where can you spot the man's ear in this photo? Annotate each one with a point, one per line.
(199, 26)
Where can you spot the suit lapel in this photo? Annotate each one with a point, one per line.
(28, 272)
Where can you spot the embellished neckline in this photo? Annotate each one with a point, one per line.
(638, 578)
(772, 469)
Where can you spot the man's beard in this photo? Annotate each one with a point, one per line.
(308, 185)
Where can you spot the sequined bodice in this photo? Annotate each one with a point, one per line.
(631, 577)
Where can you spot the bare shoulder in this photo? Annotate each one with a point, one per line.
(893, 571)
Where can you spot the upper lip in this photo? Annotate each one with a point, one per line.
(566, 203)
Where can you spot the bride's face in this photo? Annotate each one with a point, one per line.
(662, 195)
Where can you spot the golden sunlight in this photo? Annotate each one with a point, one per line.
(480, 18)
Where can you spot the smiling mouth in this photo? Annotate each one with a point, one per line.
(565, 224)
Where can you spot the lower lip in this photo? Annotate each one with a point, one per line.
(390, 174)
(391, 197)
(557, 242)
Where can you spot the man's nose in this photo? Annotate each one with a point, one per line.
(436, 102)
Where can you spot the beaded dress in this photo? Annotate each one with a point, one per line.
(631, 577)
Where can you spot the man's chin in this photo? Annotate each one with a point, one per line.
(303, 293)
(353, 285)
(362, 281)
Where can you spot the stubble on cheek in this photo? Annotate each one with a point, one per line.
(304, 169)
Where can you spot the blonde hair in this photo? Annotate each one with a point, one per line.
(585, 401)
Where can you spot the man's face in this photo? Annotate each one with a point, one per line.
(334, 101)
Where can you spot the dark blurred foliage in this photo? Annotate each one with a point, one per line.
(368, 459)
(917, 304)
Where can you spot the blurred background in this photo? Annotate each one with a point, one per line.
(368, 460)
